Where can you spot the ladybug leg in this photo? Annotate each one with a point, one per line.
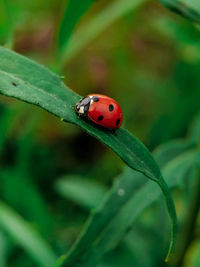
(113, 131)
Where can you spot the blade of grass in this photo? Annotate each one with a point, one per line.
(97, 25)
(23, 79)
(83, 191)
(171, 156)
(3, 250)
(6, 24)
(16, 184)
(187, 229)
(74, 10)
(194, 132)
(26, 236)
(125, 217)
(192, 258)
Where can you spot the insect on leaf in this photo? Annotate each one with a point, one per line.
(28, 81)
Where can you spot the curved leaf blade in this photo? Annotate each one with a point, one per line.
(26, 236)
(28, 81)
(82, 191)
(45, 89)
(74, 10)
(172, 156)
(97, 25)
(173, 172)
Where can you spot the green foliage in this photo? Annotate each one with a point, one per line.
(52, 95)
(179, 153)
(45, 89)
(97, 25)
(26, 236)
(189, 9)
(5, 22)
(74, 10)
(193, 259)
(52, 174)
(36, 210)
(84, 192)
(3, 242)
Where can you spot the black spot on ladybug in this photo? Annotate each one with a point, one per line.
(14, 84)
(117, 121)
(111, 107)
(95, 99)
(100, 118)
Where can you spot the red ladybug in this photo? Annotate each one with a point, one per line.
(100, 109)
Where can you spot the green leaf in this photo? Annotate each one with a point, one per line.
(7, 20)
(172, 156)
(124, 218)
(97, 25)
(194, 132)
(15, 184)
(15, 181)
(26, 236)
(165, 153)
(60, 261)
(185, 36)
(83, 191)
(189, 9)
(177, 159)
(23, 79)
(192, 258)
(168, 151)
(74, 10)
(3, 249)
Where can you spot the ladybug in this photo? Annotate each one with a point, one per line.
(101, 110)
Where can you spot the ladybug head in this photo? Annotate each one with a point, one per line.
(82, 106)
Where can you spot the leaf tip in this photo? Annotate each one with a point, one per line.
(167, 259)
(170, 249)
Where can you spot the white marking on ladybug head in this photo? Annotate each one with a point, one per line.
(81, 110)
(91, 101)
(90, 96)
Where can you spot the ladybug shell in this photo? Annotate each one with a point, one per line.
(105, 111)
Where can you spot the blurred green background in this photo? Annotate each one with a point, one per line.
(51, 173)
